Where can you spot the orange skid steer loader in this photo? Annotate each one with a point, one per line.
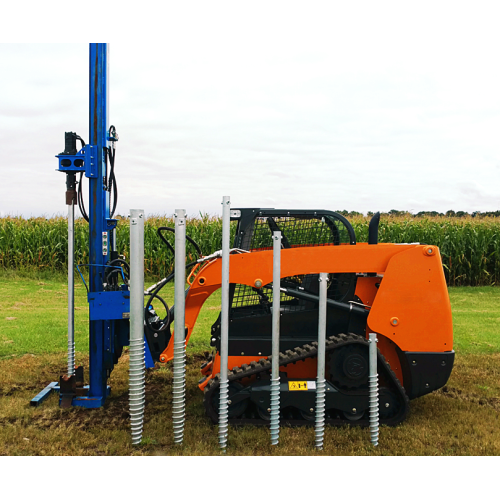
(395, 290)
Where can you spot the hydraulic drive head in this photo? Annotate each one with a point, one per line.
(70, 143)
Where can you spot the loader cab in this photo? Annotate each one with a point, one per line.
(250, 315)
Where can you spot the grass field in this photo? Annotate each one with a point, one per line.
(460, 419)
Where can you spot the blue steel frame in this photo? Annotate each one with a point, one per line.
(109, 311)
(100, 335)
(83, 161)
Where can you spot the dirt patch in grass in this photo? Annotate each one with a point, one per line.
(464, 396)
(460, 419)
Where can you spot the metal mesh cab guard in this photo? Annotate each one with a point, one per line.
(298, 228)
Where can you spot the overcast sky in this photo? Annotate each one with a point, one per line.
(373, 106)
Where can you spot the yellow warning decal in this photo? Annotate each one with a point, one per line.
(297, 385)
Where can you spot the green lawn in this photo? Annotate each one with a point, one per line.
(33, 317)
(459, 419)
(476, 319)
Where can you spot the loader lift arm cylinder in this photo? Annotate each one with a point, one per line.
(329, 302)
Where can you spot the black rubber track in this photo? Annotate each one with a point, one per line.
(263, 367)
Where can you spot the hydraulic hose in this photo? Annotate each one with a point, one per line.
(154, 294)
(170, 247)
(81, 204)
(110, 184)
(110, 272)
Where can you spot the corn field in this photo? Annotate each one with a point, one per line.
(470, 247)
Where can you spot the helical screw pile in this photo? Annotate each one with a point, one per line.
(71, 358)
(320, 413)
(373, 391)
(137, 392)
(223, 413)
(224, 326)
(71, 289)
(179, 391)
(275, 410)
(373, 408)
(320, 379)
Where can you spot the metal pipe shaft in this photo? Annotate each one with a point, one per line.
(71, 289)
(137, 366)
(179, 382)
(373, 389)
(224, 348)
(275, 378)
(320, 381)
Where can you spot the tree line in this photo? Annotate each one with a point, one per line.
(404, 213)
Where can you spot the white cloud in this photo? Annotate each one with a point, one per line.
(371, 106)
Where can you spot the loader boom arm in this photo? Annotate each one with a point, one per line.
(413, 281)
